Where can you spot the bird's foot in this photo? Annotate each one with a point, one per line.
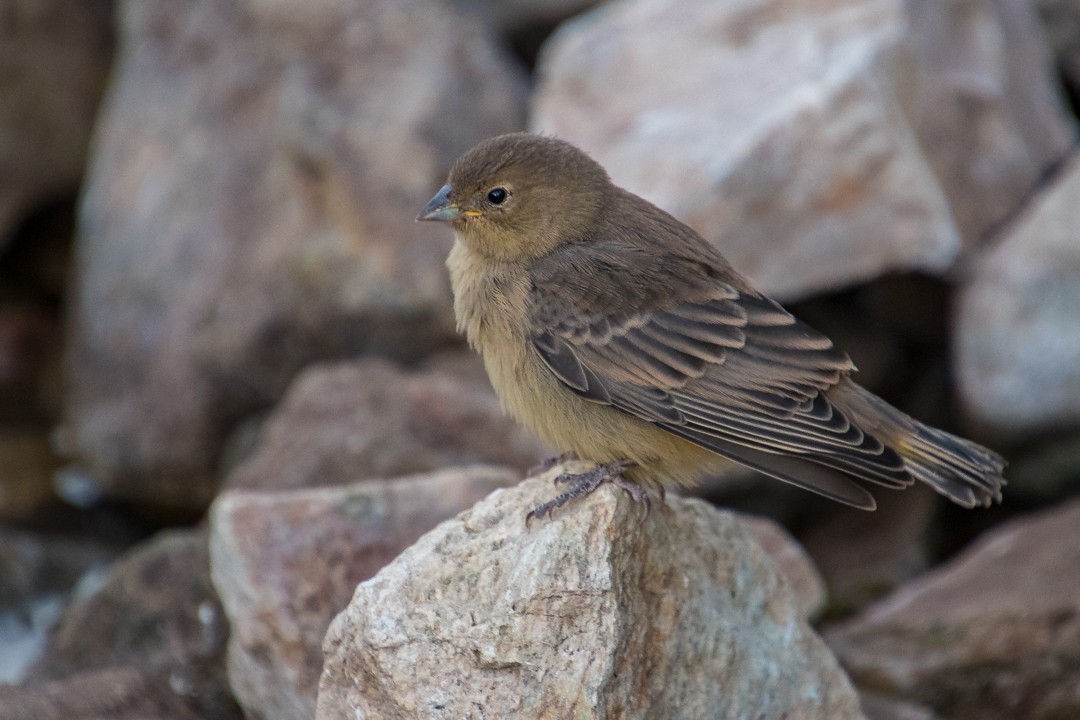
(582, 484)
(544, 465)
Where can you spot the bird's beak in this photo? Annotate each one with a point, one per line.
(440, 208)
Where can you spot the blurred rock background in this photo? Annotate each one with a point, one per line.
(212, 291)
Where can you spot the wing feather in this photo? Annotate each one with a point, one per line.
(733, 372)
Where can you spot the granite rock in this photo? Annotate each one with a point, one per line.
(993, 633)
(601, 611)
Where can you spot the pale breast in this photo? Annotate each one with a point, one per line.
(489, 298)
(490, 301)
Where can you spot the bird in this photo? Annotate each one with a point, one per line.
(622, 337)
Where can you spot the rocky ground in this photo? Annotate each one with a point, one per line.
(247, 468)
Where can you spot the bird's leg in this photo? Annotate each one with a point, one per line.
(544, 465)
(582, 484)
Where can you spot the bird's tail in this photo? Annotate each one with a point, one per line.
(965, 472)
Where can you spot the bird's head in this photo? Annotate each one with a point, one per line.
(520, 196)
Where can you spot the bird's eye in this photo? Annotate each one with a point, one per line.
(497, 196)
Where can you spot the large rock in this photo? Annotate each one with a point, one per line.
(1018, 328)
(54, 59)
(344, 422)
(599, 612)
(155, 609)
(994, 633)
(780, 143)
(250, 209)
(285, 563)
(792, 141)
(100, 694)
(984, 101)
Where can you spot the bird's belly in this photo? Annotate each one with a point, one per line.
(595, 432)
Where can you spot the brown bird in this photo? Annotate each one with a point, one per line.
(618, 333)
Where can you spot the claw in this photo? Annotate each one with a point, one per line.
(582, 484)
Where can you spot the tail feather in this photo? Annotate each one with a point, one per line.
(967, 473)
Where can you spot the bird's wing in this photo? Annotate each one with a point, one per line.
(726, 369)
